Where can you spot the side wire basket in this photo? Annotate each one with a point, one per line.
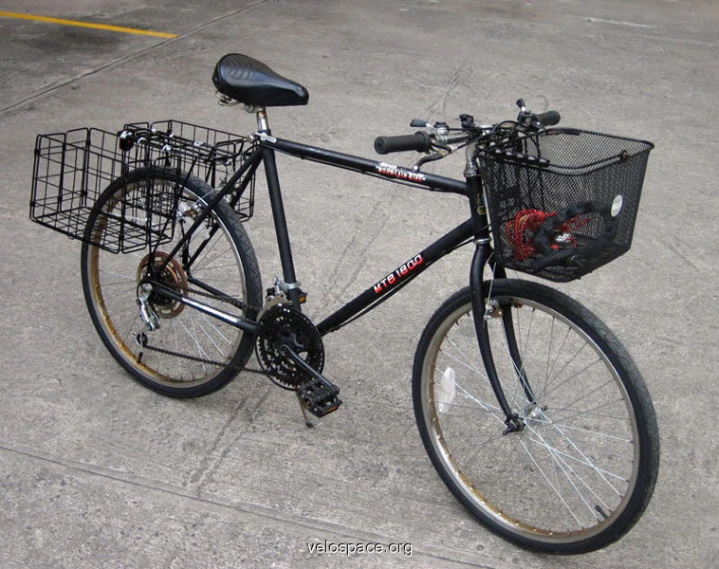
(72, 169)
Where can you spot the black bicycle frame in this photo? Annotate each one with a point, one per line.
(402, 274)
(476, 228)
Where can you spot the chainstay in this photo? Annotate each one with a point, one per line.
(237, 303)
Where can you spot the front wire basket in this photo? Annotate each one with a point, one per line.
(563, 202)
(72, 169)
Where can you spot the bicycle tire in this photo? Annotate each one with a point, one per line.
(582, 471)
(191, 354)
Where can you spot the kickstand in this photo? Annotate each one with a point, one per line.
(308, 423)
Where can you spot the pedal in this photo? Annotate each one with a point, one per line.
(319, 396)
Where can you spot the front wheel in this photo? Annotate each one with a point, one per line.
(190, 353)
(583, 468)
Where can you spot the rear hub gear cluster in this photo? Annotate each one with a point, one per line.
(284, 327)
(173, 276)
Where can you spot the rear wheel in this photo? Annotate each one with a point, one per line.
(582, 470)
(191, 353)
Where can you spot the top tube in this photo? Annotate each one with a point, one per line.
(383, 170)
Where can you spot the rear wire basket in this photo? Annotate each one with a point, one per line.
(72, 169)
(563, 202)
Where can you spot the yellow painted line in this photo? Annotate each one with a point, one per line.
(105, 27)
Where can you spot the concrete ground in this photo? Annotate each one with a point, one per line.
(96, 471)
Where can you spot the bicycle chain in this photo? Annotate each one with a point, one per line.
(229, 300)
(146, 346)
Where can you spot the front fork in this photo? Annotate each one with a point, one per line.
(479, 260)
(481, 308)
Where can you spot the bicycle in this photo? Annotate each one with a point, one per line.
(531, 410)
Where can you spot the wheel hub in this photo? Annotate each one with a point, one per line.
(173, 276)
(534, 414)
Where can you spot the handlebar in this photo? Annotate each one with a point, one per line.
(419, 141)
(439, 137)
(550, 118)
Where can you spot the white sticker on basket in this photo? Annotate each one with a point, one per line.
(446, 390)
(617, 205)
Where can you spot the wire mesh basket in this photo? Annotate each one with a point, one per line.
(563, 202)
(72, 169)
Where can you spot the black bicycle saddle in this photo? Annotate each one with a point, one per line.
(253, 83)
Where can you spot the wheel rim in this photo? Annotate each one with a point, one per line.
(573, 469)
(208, 345)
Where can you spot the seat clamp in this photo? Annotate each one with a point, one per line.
(264, 137)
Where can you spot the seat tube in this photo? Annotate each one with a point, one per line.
(278, 215)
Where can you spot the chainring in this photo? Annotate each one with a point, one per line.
(282, 326)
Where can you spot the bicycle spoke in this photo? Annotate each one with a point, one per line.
(200, 352)
(570, 473)
(585, 460)
(482, 404)
(593, 433)
(592, 411)
(559, 352)
(123, 310)
(460, 362)
(467, 360)
(217, 330)
(549, 482)
(566, 365)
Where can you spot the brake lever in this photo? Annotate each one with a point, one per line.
(430, 158)
(525, 116)
(419, 123)
(535, 123)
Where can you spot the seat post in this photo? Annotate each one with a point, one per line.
(262, 124)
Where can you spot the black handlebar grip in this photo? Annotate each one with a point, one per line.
(419, 141)
(550, 118)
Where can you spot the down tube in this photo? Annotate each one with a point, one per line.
(398, 277)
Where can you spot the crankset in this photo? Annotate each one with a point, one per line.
(281, 328)
(290, 351)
